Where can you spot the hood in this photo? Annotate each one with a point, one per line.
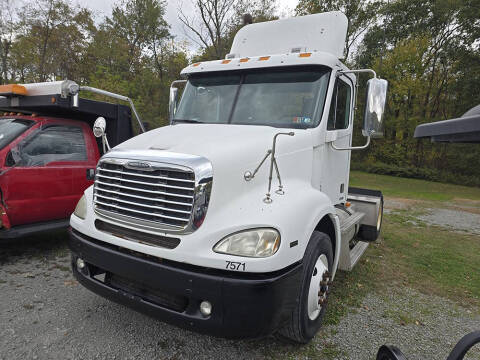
(220, 143)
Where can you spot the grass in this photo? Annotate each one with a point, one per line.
(431, 259)
(412, 188)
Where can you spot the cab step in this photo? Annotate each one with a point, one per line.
(349, 227)
(349, 257)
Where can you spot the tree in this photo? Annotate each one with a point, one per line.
(218, 21)
(211, 29)
(141, 24)
(429, 52)
(57, 35)
(361, 15)
(7, 31)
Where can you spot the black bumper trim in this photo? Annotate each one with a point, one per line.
(244, 305)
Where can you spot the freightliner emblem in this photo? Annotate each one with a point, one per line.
(139, 165)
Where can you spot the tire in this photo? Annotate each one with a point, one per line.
(304, 323)
(371, 233)
(390, 353)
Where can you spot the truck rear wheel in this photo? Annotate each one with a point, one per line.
(307, 316)
(369, 232)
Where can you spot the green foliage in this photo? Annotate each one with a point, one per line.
(361, 15)
(429, 52)
(220, 21)
(131, 52)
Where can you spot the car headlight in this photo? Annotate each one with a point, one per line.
(251, 243)
(81, 208)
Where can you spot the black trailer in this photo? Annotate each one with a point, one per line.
(465, 129)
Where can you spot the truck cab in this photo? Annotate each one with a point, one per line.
(234, 219)
(46, 164)
(48, 153)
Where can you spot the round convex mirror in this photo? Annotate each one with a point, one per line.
(99, 127)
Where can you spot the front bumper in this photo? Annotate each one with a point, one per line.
(244, 305)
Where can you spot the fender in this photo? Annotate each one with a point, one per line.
(328, 210)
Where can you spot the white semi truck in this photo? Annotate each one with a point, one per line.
(234, 219)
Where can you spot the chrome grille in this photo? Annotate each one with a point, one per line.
(159, 195)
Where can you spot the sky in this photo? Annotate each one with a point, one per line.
(103, 7)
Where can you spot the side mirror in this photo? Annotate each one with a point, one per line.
(375, 107)
(172, 104)
(99, 127)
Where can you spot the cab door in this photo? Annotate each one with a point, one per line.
(49, 170)
(339, 132)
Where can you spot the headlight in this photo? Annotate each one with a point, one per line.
(251, 243)
(81, 208)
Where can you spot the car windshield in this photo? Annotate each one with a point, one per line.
(281, 98)
(10, 129)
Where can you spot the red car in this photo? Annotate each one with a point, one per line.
(48, 160)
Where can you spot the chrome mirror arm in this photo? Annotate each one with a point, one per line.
(280, 186)
(273, 162)
(352, 147)
(273, 165)
(357, 71)
(248, 175)
(106, 145)
(119, 97)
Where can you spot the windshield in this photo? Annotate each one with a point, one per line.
(11, 128)
(282, 98)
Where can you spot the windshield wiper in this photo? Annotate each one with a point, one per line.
(188, 121)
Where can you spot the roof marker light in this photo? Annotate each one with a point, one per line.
(196, 64)
(244, 59)
(263, 58)
(305, 55)
(226, 61)
(12, 89)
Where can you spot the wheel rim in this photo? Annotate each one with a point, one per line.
(379, 219)
(318, 291)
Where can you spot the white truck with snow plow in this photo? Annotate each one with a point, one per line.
(234, 219)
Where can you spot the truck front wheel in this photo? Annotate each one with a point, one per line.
(307, 316)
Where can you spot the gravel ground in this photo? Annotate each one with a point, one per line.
(423, 327)
(453, 219)
(46, 314)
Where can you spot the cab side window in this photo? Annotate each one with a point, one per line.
(52, 144)
(339, 114)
